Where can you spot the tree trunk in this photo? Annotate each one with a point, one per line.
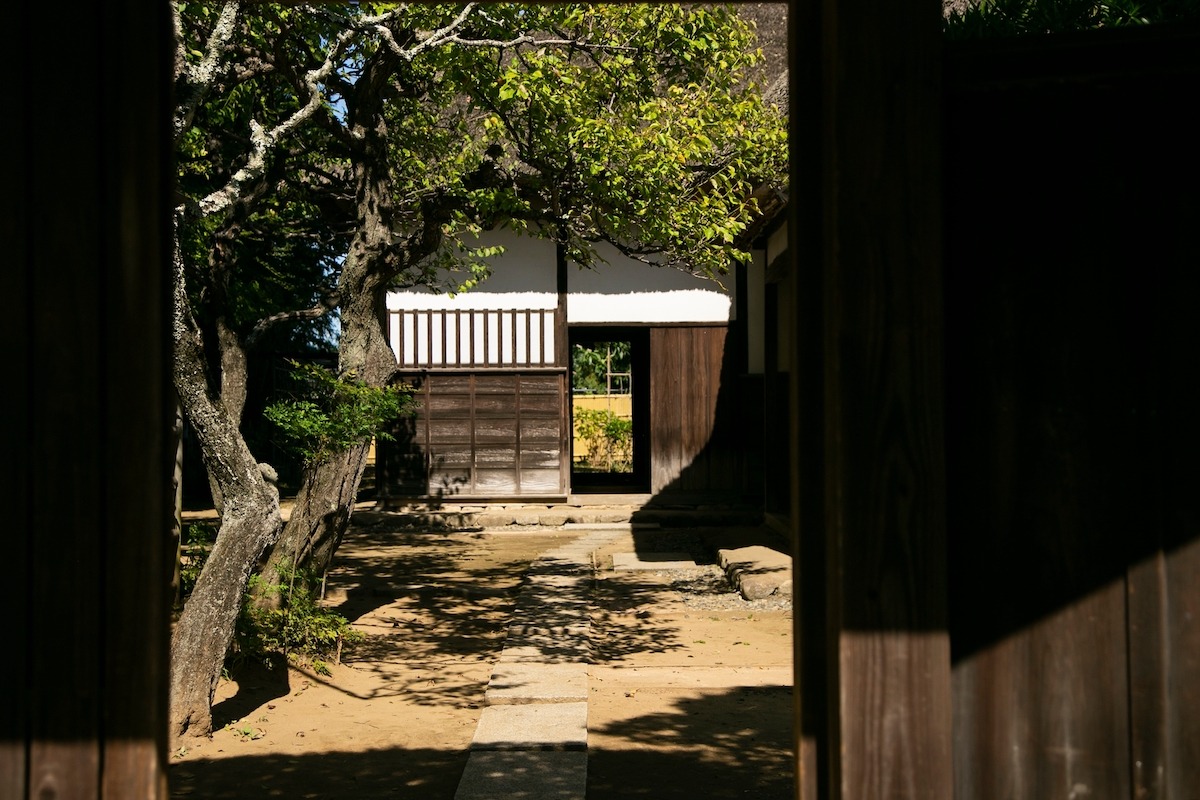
(205, 629)
(251, 522)
(319, 518)
(233, 382)
(322, 509)
(325, 502)
(176, 505)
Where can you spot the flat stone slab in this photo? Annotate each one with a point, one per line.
(651, 561)
(542, 650)
(519, 682)
(757, 571)
(523, 653)
(599, 526)
(537, 726)
(559, 582)
(492, 775)
(552, 609)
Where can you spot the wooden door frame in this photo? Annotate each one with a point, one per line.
(638, 482)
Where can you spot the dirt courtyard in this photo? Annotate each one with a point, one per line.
(689, 684)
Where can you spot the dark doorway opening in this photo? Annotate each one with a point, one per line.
(610, 409)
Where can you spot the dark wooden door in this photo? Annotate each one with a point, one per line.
(481, 435)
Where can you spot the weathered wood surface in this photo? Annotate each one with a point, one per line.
(1071, 278)
(480, 435)
(686, 381)
(84, 708)
(876, 714)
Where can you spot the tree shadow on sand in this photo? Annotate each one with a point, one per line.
(715, 744)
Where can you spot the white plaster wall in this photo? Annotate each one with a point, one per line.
(619, 291)
(523, 276)
(628, 291)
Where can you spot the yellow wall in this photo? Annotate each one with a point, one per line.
(619, 404)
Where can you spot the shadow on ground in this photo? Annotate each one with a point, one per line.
(712, 744)
(364, 775)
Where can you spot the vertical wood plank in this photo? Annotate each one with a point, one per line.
(17, 222)
(1183, 687)
(884, 515)
(1148, 689)
(136, 560)
(89, 495)
(804, 365)
(66, 672)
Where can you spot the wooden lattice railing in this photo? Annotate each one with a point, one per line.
(473, 338)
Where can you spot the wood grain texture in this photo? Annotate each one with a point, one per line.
(481, 435)
(88, 594)
(1072, 434)
(688, 453)
(882, 512)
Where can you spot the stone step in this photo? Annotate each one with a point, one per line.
(538, 726)
(569, 517)
(523, 775)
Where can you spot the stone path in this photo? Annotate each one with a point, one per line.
(531, 740)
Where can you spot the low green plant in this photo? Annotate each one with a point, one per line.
(300, 628)
(607, 437)
(329, 414)
(197, 542)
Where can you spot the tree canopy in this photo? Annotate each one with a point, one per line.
(330, 153)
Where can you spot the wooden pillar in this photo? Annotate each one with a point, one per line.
(87, 470)
(873, 661)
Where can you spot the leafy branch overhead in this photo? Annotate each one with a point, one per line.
(332, 414)
(326, 154)
(640, 125)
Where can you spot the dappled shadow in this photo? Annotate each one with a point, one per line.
(450, 602)
(623, 625)
(716, 743)
(259, 681)
(394, 774)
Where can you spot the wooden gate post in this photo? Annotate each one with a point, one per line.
(873, 661)
(87, 469)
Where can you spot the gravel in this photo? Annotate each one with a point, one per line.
(707, 588)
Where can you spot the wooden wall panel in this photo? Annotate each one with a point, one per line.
(689, 392)
(1073, 501)
(1178, 767)
(84, 705)
(875, 697)
(482, 436)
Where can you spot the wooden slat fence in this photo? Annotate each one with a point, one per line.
(473, 338)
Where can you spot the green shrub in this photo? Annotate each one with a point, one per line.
(608, 438)
(300, 628)
(330, 414)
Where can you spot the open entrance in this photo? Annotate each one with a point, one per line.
(610, 409)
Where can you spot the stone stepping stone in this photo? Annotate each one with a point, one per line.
(538, 726)
(757, 571)
(553, 607)
(546, 652)
(545, 775)
(559, 582)
(513, 683)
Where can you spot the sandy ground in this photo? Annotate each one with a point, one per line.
(689, 686)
